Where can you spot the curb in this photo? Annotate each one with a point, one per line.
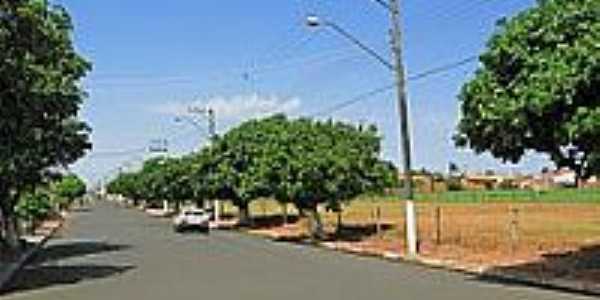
(484, 274)
(15, 267)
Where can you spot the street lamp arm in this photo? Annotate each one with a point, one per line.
(384, 3)
(360, 44)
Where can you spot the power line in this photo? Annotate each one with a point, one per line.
(443, 68)
(454, 12)
(418, 76)
(359, 98)
(116, 153)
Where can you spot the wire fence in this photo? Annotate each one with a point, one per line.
(477, 232)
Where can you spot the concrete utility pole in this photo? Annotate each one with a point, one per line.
(405, 143)
(210, 114)
(393, 7)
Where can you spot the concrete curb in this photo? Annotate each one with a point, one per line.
(14, 268)
(486, 274)
(483, 273)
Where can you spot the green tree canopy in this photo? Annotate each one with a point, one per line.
(40, 96)
(537, 87)
(301, 161)
(126, 184)
(70, 188)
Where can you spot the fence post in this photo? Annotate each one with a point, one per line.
(378, 221)
(438, 225)
(514, 229)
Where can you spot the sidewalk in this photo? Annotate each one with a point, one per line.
(36, 241)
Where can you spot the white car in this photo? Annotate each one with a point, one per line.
(190, 219)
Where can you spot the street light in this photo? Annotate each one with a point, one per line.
(314, 21)
(392, 6)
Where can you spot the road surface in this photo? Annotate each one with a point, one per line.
(113, 253)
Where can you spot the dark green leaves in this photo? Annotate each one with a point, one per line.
(40, 94)
(294, 161)
(537, 88)
(70, 187)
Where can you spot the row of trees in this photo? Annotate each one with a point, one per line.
(295, 161)
(40, 97)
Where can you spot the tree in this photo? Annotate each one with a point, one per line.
(166, 179)
(40, 96)
(232, 170)
(301, 161)
(330, 163)
(537, 88)
(69, 188)
(127, 185)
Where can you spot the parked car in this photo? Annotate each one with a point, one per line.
(192, 219)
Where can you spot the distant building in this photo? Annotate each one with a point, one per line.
(489, 182)
(564, 177)
(426, 183)
(553, 179)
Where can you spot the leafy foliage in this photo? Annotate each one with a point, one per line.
(537, 88)
(40, 96)
(70, 188)
(34, 206)
(301, 161)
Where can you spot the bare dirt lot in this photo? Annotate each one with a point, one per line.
(553, 239)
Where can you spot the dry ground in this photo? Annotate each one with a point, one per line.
(555, 238)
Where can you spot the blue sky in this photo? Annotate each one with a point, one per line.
(248, 58)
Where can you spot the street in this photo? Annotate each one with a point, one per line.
(114, 253)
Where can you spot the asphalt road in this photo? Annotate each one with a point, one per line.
(113, 253)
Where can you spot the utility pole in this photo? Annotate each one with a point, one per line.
(405, 143)
(397, 67)
(210, 114)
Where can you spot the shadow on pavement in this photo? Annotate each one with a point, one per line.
(581, 267)
(358, 232)
(39, 277)
(75, 249)
(265, 222)
(81, 209)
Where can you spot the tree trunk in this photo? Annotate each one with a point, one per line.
(316, 224)
(199, 203)
(301, 212)
(245, 219)
(339, 224)
(284, 210)
(177, 206)
(12, 232)
(9, 224)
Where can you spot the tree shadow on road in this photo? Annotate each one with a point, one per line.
(81, 210)
(39, 277)
(65, 250)
(580, 267)
(359, 232)
(43, 272)
(271, 221)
